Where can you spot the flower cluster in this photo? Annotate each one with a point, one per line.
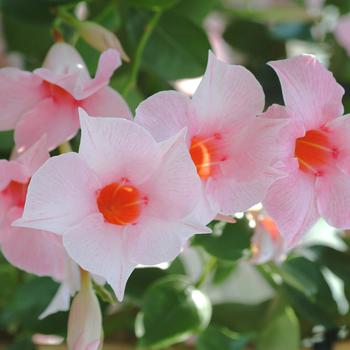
(137, 190)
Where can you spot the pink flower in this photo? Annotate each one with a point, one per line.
(316, 150)
(122, 201)
(47, 100)
(232, 149)
(342, 32)
(34, 251)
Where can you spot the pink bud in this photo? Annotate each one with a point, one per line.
(85, 319)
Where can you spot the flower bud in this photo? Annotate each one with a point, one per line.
(85, 319)
(101, 38)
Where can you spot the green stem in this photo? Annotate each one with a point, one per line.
(209, 267)
(139, 52)
(65, 148)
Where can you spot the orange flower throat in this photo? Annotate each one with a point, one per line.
(206, 155)
(314, 151)
(120, 203)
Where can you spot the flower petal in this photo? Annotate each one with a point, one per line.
(310, 92)
(98, 247)
(116, 148)
(291, 202)
(61, 193)
(106, 103)
(254, 149)
(157, 241)
(60, 302)
(174, 188)
(11, 171)
(165, 113)
(333, 197)
(226, 94)
(59, 122)
(339, 133)
(19, 91)
(231, 196)
(34, 251)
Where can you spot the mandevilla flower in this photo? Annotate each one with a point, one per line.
(122, 201)
(34, 251)
(47, 100)
(316, 150)
(233, 150)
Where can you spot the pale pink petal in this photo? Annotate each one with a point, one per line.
(227, 93)
(174, 188)
(63, 58)
(33, 158)
(11, 171)
(109, 61)
(156, 240)
(60, 302)
(34, 251)
(342, 32)
(310, 92)
(99, 248)
(59, 122)
(165, 113)
(61, 193)
(339, 134)
(291, 203)
(19, 91)
(231, 196)
(106, 103)
(333, 197)
(225, 218)
(117, 148)
(254, 149)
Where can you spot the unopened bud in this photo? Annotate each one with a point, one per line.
(101, 38)
(85, 319)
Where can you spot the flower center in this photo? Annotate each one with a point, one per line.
(205, 153)
(120, 203)
(17, 192)
(314, 151)
(58, 93)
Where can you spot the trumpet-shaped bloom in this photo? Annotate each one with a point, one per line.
(47, 100)
(316, 150)
(122, 201)
(233, 150)
(35, 251)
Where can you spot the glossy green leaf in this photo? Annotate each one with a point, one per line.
(154, 4)
(172, 311)
(177, 49)
(281, 332)
(215, 338)
(228, 241)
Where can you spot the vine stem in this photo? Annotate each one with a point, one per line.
(139, 52)
(65, 147)
(209, 267)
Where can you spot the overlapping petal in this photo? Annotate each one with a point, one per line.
(310, 92)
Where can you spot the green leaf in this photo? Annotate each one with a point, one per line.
(6, 143)
(215, 338)
(177, 48)
(282, 332)
(241, 317)
(196, 10)
(228, 241)
(154, 4)
(172, 311)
